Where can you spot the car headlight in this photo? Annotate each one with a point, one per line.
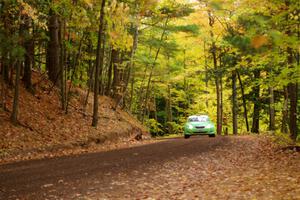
(190, 126)
(209, 126)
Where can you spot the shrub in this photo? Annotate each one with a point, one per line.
(155, 127)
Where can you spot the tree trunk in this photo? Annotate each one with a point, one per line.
(221, 94)
(152, 67)
(109, 74)
(206, 77)
(218, 91)
(271, 110)
(102, 54)
(131, 94)
(144, 109)
(155, 107)
(40, 56)
(186, 87)
(234, 104)
(3, 94)
(29, 55)
(91, 68)
(292, 87)
(11, 73)
(169, 109)
(3, 87)
(140, 105)
(15, 111)
(285, 112)
(141, 92)
(219, 120)
(244, 101)
(5, 67)
(115, 56)
(6, 33)
(74, 67)
(62, 31)
(98, 65)
(17, 64)
(213, 50)
(292, 93)
(53, 49)
(129, 68)
(256, 101)
(91, 72)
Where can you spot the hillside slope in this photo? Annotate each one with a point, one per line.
(45, 129)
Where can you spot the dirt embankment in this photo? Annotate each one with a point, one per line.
(45, 130)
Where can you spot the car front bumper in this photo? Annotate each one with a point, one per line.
(199, 131)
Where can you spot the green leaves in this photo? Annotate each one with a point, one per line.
(190, 28)
(239, 41)
(174, 9)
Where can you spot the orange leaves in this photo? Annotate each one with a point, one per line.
(114, 35)
(259, 41)
(28, 10)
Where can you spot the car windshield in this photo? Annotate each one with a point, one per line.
(198, 119)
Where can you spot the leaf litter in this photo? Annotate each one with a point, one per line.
(248, 167)
(44, 130)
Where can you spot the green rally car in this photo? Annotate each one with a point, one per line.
(199, 125)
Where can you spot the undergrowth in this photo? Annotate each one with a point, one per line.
(282, 139)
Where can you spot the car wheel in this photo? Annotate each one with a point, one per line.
(213, 135)
(186, 136)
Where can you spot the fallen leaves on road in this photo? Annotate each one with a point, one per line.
(246, 168)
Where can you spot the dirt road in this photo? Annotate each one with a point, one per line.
(195, 168)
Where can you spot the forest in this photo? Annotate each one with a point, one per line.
(160, 60)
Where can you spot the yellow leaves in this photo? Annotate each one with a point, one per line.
(113, 5)
(80, 18)
(118, 20)
(147, 5)
(294, 15)
(259, 41)
(121, 39)
(26, 9)
(29, 11)
(88, 2)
